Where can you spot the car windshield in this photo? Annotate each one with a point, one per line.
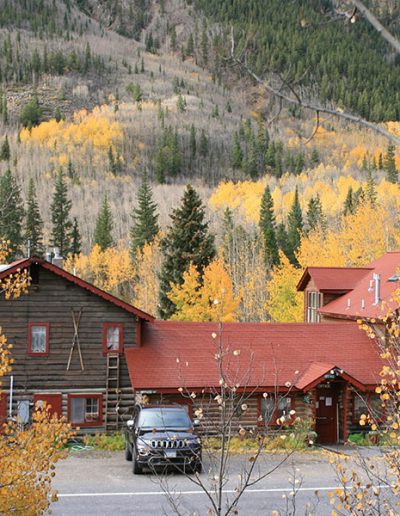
(167, 418)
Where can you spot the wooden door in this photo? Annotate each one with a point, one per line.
(326, 415)
(54, 400)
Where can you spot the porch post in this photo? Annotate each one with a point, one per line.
(345, 413)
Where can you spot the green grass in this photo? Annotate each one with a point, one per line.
(113, 442)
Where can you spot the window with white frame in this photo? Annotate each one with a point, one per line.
(314, 301)
(85, 409)
(113, 337)
(272, 409)
(38, 338)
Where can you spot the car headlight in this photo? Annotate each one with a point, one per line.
(143, 448)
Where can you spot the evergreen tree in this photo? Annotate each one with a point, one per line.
(104, 226)
(349, 203)
(315, 215)
(282, 238)
(204, 42)
(295, 228)
(5, 150)
(390, 163)
(11, 213)
(181, 104)
(4, 111)
(33, 223)
(60, 216)
(76, 245)
(236, 152)
(173, 39)
(187, 241)
(203, 144)
(380, 161)
(370, 189)
(192, 142)
(190, 45)
(144, 218)
(314, 159)
(268, 230)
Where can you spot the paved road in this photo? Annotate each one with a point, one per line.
(103, 484)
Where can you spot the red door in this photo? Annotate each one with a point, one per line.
(326, 416)
(3, 410)
(54, 400)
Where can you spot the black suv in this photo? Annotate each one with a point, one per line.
(162, 435)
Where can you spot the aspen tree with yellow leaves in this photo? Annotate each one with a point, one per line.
(110, 270)
(284, 303)
(210, 298)
(27, 455)
(148, 263)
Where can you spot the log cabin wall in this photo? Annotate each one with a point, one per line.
(52, 301)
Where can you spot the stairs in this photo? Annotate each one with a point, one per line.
(112, 393)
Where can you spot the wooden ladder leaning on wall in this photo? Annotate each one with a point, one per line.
(112, 393)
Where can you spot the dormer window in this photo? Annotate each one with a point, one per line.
(314, 301)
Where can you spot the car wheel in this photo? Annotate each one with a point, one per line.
(128, 451)
(136, 468)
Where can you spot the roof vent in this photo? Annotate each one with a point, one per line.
(362, 304)
(348, 303)
(377, 279)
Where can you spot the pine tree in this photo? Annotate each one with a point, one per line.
(380, 161)
(370, 189)
(144, 218)
(349, 203)
(203, 144)
(236, 152)
(315, 215)
(390, 164)
(33, 223)
(282, 238)
(76, 245)
(192, 142)
(60, 216)
(268, 229)
(104, 226)
(11, 213)
(181, 104)
(190, 45)
(295, 228)
(173, 39)
(5, 150)
(204, 42)
(314, 159)
(187, 241)
(4, 111)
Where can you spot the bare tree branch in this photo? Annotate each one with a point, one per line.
(395, 43)
(313, 107)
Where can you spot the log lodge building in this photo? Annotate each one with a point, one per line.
(89, 354)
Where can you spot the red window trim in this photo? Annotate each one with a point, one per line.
(99, 421)
(119, 325)
(272, 421)
(35, 323)
(367, 396)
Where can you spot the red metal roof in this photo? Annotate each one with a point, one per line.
(182, 354)
(359, 303)
(333, 278)
(26, 262)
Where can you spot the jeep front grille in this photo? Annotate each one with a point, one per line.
(177, 443)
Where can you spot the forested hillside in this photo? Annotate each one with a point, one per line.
(108, 109)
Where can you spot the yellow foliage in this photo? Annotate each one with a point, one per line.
(211, 301)
(285, 304)
(145, 290)
(111, 270)
(95, 129)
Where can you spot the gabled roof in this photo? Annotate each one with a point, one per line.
(27, 262)
(333, 278)
(182, 354)
(359, 303)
